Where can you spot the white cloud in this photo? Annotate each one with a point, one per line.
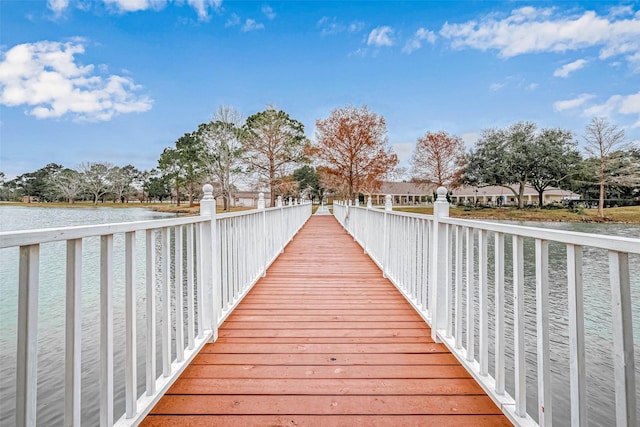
(380, 36)
(416, 41)
(58, 6)
(251, 25)
(134, 5)
(331, 26)
(45, 77)
(617, 104)
(232, 21)
(569, 104)
(567, 69)
(530, 30)
(268, 12)
(496, 86)
(202, 7)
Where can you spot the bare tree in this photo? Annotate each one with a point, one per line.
(438, 159)
(95, 178)
(602, 139)
(351, 145)
(68, 183)
(223, 139)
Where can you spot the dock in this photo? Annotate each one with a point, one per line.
(325, 340)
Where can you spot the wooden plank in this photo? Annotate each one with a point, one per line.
(322, 333)
(329, 371)
(325, 386)
(262, 348)
(324, 405)
(327, 421)
(324, 339)
(327, 359)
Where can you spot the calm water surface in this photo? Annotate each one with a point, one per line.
(51, 316)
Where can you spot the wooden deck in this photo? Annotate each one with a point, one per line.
(324, 340)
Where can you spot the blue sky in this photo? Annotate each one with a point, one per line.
(120, 80)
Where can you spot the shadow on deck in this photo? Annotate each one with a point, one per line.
(325, 340)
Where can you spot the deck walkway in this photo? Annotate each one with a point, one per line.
(325, 340)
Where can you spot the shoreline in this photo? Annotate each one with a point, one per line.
(625, 215)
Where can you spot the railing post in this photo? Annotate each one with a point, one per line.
(369, 204)
(265, 258)
(439, 297)
(27, 351)
(208, 252)
(283, 225)
(388, 207)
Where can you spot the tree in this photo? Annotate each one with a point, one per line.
(122, 179)
(68, 183)
(273, 143)
(438, 159)
(351, 145)
(602, 139)
(554, 159)
(169, 165)
(96, 178)
(158, 188)
(625, 172)
(308, 182)
(185, 165)
(37, 184)
(223, 138)
(519, 155)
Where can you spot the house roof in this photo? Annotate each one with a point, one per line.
(406, 188)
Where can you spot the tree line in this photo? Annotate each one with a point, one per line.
(350, 155)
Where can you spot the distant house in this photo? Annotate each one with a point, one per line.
(494, 194)
(403, 193)
(246, 199)
(411, 193)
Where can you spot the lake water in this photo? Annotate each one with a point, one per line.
(51, 317)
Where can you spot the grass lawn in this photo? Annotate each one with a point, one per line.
(628, 214)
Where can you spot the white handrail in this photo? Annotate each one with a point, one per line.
(432, 260)
(223, 257)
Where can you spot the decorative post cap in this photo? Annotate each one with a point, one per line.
(388, 204)
(442, 194)
(279, 201)
(369, 202)
(357, 202)
(350, 202)
(261, 201)
(207, 189)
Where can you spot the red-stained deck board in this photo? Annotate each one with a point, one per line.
(324, 340)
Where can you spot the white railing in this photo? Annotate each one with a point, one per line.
(443, 265)
(195, 295)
